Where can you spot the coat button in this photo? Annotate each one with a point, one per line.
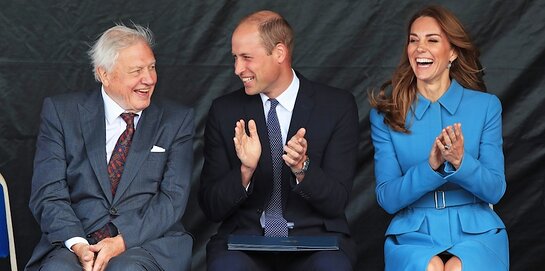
(113, 211)
(259, 211)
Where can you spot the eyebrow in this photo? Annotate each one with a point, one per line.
(427, 35)
(242, 54)
(143, 65)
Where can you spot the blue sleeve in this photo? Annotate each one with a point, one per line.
(484, 175)
(396, 189)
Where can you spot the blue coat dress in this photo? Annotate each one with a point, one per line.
(445, 210)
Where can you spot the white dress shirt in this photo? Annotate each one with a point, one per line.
(286, 103)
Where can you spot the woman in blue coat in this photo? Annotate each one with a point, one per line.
(438, 153)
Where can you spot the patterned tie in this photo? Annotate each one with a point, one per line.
(275, 224)
(115, 169)
(119, 154)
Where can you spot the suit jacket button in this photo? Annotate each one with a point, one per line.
(113, 211)
(259, 211)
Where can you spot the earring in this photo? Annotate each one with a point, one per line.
(449, 64)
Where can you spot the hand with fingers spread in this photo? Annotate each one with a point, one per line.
(296, 152)
(451, 144)
(248, 148)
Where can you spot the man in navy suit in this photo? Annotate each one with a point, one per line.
(88, 221)
(319, 129)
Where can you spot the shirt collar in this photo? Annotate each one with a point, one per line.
(450, 100)
(287, 98)
(112, 110)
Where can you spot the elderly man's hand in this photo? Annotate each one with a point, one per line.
(106, 250)
(85, 255)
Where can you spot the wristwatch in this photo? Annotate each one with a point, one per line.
(304, 169)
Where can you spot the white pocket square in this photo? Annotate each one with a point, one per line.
(157, 149)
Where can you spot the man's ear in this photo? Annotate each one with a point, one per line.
(280, 52)
(104, 76)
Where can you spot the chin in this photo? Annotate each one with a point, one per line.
(250, 91)
(141, 107)
(423, 77)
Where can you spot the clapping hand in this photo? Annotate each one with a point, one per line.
(448, 146)
(248, 148)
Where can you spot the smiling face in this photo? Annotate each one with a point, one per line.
(259, 70)
(132, 79)
(429, 52)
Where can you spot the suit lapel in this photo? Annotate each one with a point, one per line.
(303, 107)
(141, 145)
(302, 112)
(94, 136)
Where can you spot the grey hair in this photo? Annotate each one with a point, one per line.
(106, 49)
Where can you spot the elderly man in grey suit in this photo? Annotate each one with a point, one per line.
(112, 168)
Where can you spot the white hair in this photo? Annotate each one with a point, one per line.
(106, 49)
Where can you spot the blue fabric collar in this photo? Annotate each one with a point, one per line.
(450, 100)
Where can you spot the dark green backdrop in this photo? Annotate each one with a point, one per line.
(348, 44)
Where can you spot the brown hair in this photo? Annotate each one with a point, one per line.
(466, 70)
(273, 29)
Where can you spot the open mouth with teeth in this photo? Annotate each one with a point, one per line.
(247, 79)
(142, 92)
(424, 62)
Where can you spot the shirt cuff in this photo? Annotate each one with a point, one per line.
(75, 240)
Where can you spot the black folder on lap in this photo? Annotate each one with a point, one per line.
(291, 243)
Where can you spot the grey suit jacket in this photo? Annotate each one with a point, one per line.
(71, 190)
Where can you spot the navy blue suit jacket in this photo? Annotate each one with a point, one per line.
(316, 206)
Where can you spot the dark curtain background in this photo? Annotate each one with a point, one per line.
(353, 45)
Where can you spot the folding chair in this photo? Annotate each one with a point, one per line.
(8, 244)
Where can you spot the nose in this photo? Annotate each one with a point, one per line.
(239, 66)
(149, 76)
(421, 47)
